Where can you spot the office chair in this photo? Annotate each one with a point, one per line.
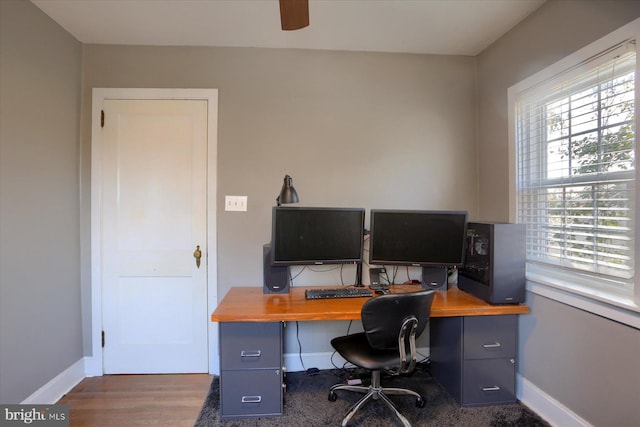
(391, 325)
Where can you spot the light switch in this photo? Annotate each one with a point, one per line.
(235, 203)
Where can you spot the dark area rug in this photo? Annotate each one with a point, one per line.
(306, 405)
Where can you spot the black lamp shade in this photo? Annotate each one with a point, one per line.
(288, 193)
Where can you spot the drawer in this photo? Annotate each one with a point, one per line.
(251, 393)
(490, 336)
(490, 381)
(250, 345)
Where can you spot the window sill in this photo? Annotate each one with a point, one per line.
(619, 309)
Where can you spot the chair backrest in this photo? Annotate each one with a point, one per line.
(383, 316)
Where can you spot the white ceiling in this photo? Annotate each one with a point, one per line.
(447, 27)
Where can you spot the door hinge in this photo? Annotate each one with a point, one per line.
(101, 118)
(102, 339)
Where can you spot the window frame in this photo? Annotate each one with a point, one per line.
(562, 284)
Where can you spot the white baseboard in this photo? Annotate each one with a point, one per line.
(92, 367)
(52, 391)
(322, 360)
(546, 406)
(530, 395)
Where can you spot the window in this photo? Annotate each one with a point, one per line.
(576, 172)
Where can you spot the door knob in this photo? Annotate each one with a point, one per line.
(197, 254)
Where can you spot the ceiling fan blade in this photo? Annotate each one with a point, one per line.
(294, 14)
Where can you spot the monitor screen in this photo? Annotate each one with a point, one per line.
(306, 235)
(418, 238)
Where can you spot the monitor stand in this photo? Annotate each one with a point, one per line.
(434, 278)
(359, 275)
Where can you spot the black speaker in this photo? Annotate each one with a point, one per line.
(276, 278)
(434, 278)
(374, 276)
(494, 268)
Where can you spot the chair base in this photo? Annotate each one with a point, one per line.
(375, 391)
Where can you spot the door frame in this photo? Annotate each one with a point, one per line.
(94, 365)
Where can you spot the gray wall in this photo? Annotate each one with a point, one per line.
(587, 363)
(40, 314)
(368, 130)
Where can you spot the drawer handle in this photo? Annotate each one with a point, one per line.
(251, 399)
(494, 388)
(495, 345)
(255, 353)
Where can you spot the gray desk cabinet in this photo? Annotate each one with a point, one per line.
(473, 358)
(251, 374)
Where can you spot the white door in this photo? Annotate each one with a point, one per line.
(154, 187)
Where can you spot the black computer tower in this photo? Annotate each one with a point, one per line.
(275, 277)
(494, 268)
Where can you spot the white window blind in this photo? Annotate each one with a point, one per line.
(576, 168)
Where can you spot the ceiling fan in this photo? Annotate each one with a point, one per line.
(294, 14)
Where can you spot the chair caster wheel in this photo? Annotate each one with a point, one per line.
(420, 403)
(332, 396)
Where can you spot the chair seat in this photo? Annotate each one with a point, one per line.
(355, 348)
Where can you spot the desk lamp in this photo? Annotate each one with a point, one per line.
(288, 193)
(276, 277)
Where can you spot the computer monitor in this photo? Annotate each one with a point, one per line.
(317, 235)
(433, 240)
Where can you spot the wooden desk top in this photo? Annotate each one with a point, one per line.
(250, 304)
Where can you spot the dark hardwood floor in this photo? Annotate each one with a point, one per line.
(137, 400)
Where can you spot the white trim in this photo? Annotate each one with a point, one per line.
(212, 229)
(599, 304)
(99, 95)
(322, 360)
(60, 385)
(93, 366)
(530, 395)
(547, 407)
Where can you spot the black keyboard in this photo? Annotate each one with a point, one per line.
(324, 293)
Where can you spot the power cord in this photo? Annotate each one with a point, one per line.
(299, 345)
